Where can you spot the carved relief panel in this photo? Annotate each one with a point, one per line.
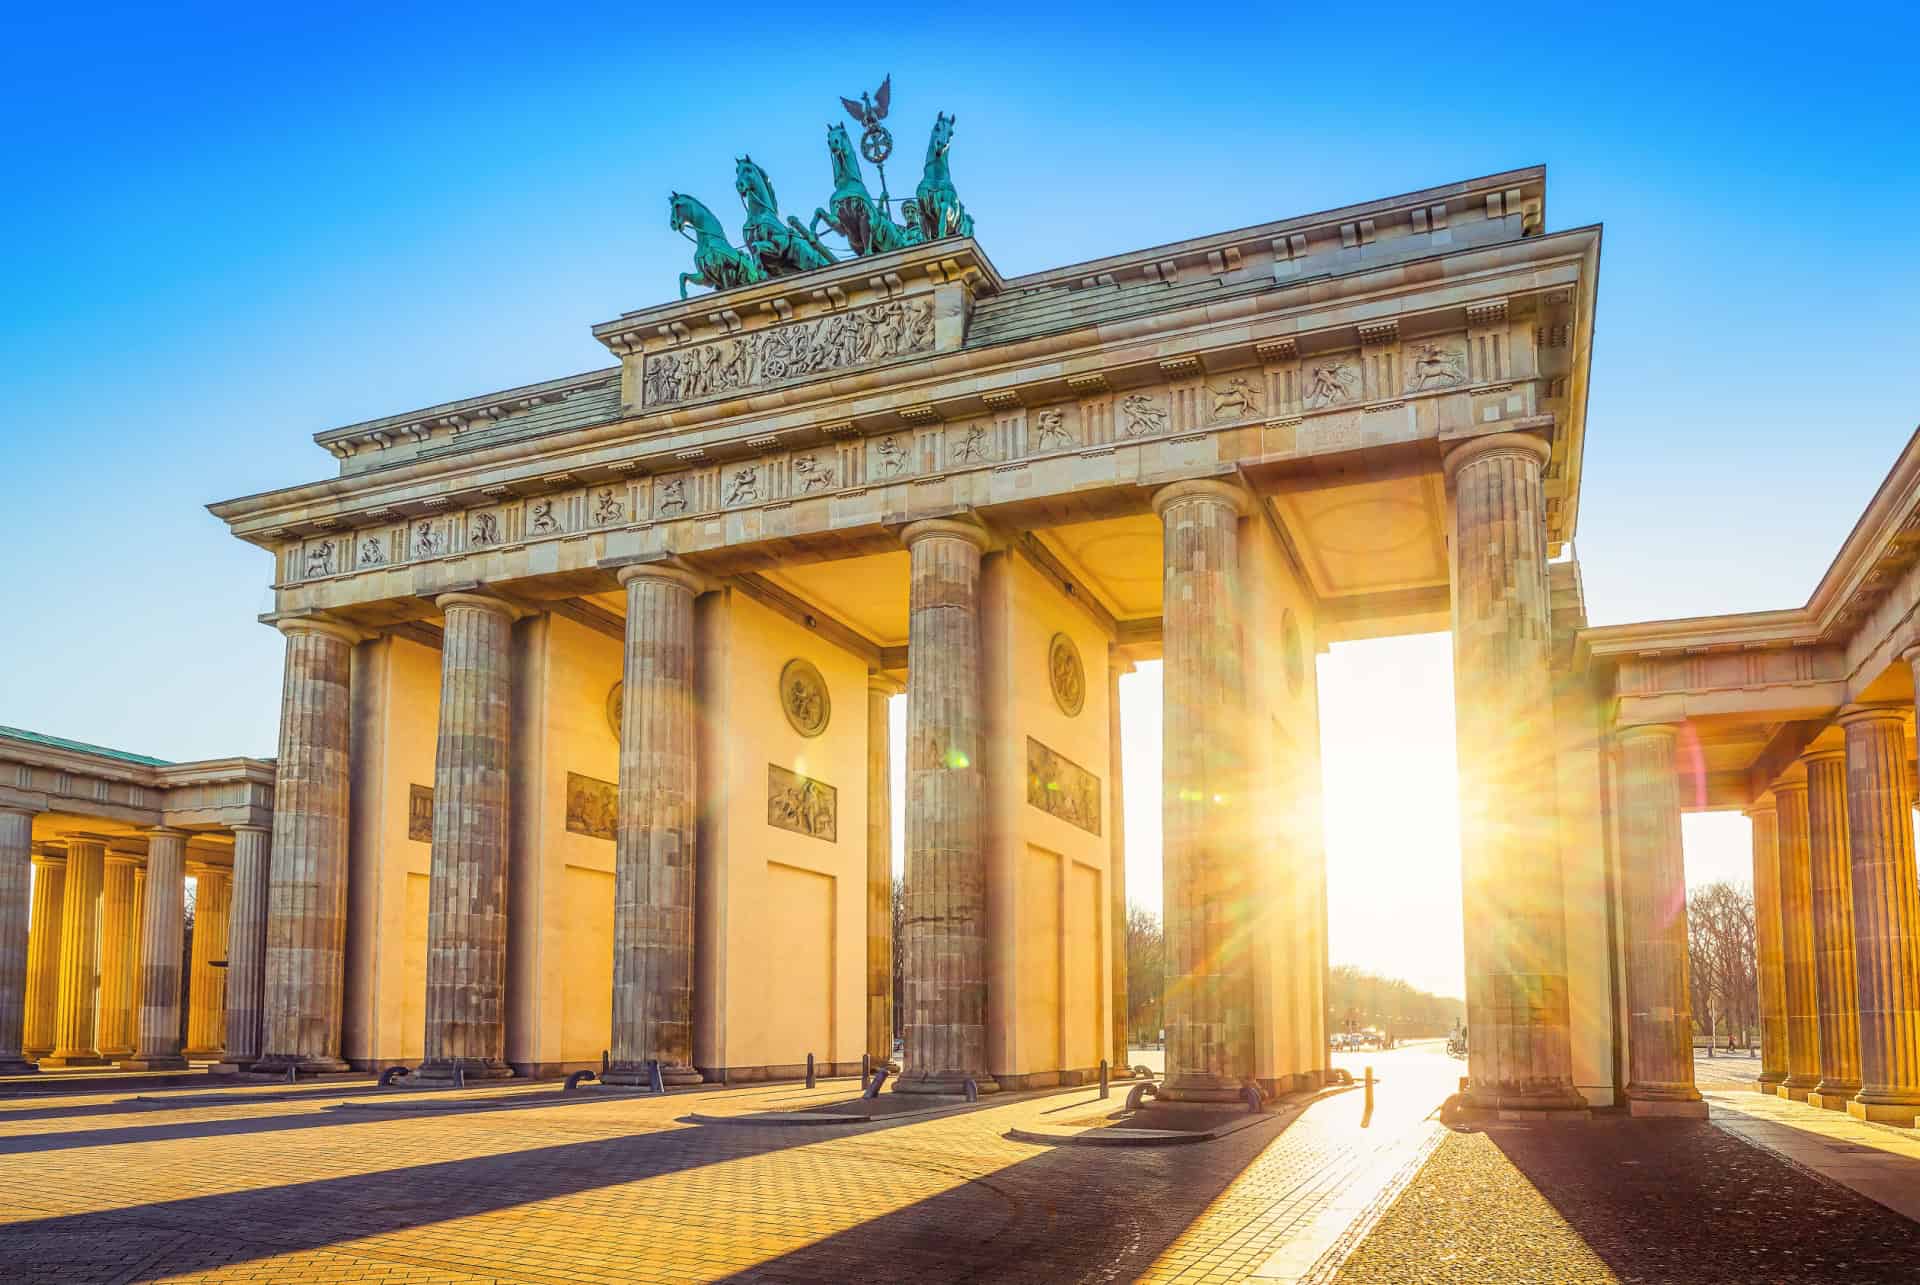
(593, 806)
(802, 804)
(1060, 787)
(779, 354)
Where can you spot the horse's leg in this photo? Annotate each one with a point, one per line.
(694, 277)
(821, 216)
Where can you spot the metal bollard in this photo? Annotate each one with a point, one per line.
(866, 1070)
(1369, 1088)
(809, 1070)
(654, 1081)
(459, 1076)
(1103, 1077)
(606, 1062)
(873, 1085)
(972, 1090)
(1250, 1094)
(293, 1075)
(578, 1078)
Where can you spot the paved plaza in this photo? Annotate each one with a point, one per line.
(342, 1181)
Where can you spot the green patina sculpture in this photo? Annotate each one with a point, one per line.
(780, 249)
(850, 211)
(715, 262)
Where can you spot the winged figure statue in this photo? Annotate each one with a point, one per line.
(870, 110)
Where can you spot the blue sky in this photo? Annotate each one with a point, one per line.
(231, 227)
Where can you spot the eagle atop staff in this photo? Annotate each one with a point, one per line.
(870, 111)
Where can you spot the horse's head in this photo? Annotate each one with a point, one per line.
(942, 136)
(838, 143)
(676, 211)
(753, 185)
(683, 210)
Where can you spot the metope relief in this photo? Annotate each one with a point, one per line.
(802, 804)
(420, 813)
(1060, 787)
(484, 530)
(795, 351)
(743, 487)
(1050, 431)
(429, 540)
(1329, 381)
(319, 559)
(889, 456)
(803, 697)
(609, 509)
(543, 517)
(1238, 400)
(1141, 416)
(972, 445)
(1434, 365)
(593, 806)
(371, 554)
(670, 500)
(812, 474)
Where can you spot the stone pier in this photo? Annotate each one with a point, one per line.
(657, 836)
(16, 913)
(162, 936)
(1209, 994)
(1886, 914)
(76, 1026)
(1659, 1007)
(1765, 819)
(306, 901)
(247, 943)
(1833, 946)
(880, 689)
(946, 932)
(467, 897)
(1517, 1003)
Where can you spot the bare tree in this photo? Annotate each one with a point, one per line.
(1146, 974)
(899, 959)
(1723, 964)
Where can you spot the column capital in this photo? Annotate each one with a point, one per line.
(117, 858)
(1889, 712)
(884, 684)
(665, 572)
(1647, 731)
(249, 827)
(320, 625)
(1765, 803)
(1202, 488)
(479, 602)
(23, 809)
(44, 854)
(164, 832)
(947, 528)
(1811, 757)
(1527, 445)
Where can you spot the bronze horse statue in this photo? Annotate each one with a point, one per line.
(850, 211)
(936, 202)
(716, 263)
(781, 249)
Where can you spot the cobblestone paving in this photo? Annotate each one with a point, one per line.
(273, 1184)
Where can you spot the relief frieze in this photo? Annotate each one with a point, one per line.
(593, 806)
(798, 350)
(420, 813)
(802, 804)
(1062, 788)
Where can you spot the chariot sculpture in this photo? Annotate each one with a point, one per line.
(776, 247)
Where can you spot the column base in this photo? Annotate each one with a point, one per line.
(158, 1062)
(1497, 1097)
(54, 1061)
(472, 1068)
(18, 1066)
(951, 1083)
(1768, 1081)
(1667, 1108)
(1902, 1114)
(1188, 1086)
(280, 1064)
(229, 1068)
(1792, 1092)
(1831, 1097)
(204, 1055)
(631, 1075)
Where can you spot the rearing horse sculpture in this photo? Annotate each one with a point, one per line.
(780, 249)
(851, 211)
(941, 213)
(716, 263)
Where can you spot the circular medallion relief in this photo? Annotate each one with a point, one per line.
(803, 695)
(615, 695)
(1068, 675)
(1292, 652)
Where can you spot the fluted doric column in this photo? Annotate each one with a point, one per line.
(1520, 1055)
(656, 843)
(1209, 993)
(1800, 991)
(118, 941)
(880, 689)
(43, 953)
(16, 915)
(1117, 664)
(162, 933)
(307, 894)
(75, 1027)
(1659, 1005)
(467, 894)
(1886, 915)
(247, 943)
(207, 983)
(1834, 971)
(1771, 964)
(946, 969)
